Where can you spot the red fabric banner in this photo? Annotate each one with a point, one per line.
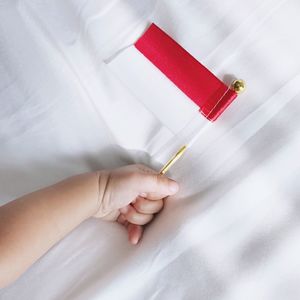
(189, 75)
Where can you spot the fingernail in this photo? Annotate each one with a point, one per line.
(144, 195)
(134, 240)
(173, 186)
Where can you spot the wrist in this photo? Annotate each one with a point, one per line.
(102, 204)
(83, 192)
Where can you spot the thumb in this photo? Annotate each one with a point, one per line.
(159, 184)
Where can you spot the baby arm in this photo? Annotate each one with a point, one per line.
(32, 224)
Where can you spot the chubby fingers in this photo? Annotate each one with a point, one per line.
(142, 210)
(139, 213)
(135, 232)
(135, 217)
(145, 206)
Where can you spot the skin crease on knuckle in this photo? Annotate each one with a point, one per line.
(148, 206)
(136, 218)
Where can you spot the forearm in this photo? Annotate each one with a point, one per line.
(32, 224)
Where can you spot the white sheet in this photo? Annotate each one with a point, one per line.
(233, 231)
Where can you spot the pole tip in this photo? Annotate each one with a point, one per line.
(238, 86)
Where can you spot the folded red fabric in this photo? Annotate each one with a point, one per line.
(189, 75)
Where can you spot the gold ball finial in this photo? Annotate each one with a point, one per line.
(238, 86)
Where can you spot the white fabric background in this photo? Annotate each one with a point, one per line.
(233, 230)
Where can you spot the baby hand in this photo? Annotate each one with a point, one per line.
(131, 195)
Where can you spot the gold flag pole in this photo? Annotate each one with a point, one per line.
(238, 86)
(173, 160)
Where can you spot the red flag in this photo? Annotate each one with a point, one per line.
(189, 75)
